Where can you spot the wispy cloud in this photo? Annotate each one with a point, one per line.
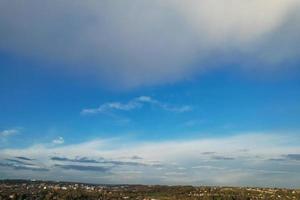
(207, 167)
(136, 103)
(287, 157)
(83, 168)
(136, 158)
(18, 161)
(108, 107)
(24, 158)
(98, 161)
(20, 165)
(222, 158)
(8, 132)
(79, 160)
(59, 140)
(208, 153)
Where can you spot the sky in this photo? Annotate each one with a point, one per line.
(201, 92)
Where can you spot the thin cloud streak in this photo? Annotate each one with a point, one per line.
(18, 161)
(134, 104)
(83, 168)
(24, 158)
(23, 167)
(99, 161)
(79, 160)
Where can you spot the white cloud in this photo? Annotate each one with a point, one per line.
(9, 132)
(129, 44)
(5, 134)
(107, 107)
(180, 157)
(135, 104)
(59, 140)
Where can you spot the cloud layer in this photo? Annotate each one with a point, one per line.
(245, 159)
(130, 44)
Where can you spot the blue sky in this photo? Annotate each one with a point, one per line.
(141, 92)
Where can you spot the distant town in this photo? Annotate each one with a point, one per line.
(33, 189)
